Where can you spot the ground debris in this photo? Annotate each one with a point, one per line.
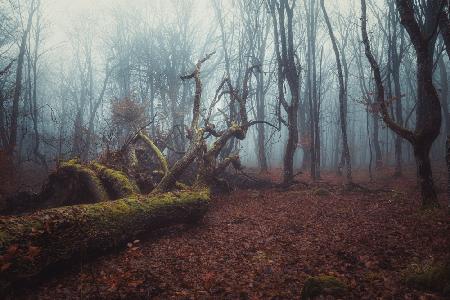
(263, 244)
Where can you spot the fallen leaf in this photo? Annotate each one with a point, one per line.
(33, 251)
(12, 249)
(5, 267)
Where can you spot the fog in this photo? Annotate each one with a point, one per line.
(224, 149)
(90, 55)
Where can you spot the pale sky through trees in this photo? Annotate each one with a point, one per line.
(71, 20)
(150, 43)
(63, 14)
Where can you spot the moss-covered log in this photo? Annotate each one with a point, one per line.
(72, 183)
(117, 183)
(30, 244)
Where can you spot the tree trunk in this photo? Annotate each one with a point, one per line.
(18, 86)
(428, 112)
(77, 141)
(312, 138)
(425, 176)
(288, 160)
(370, 144)
(444, 26)
(398, 113)
(448, 169)
(31, 244)
(262, 159)
(92, 114)
(282, 17)
(260, 115)
(376, 141)
(342, 97)
(444, 94)
(34, 111)
(428, 126)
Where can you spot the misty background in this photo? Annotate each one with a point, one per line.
(84, 59)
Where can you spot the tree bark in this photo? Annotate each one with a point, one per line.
(261, 131)
(261, 90)
(448, 169)
(288, 160)
(428, 112)
(18, 87)
(424, 175)
(396, 58)
(282, 17)
(444, 25)
(444, 94)
(342, 98)
(197, 142)
(376, 141)
(92, 114)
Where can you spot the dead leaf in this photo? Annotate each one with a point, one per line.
(33, 251)
(12, 249)
(5, 267)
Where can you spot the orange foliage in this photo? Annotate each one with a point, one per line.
(129, 113)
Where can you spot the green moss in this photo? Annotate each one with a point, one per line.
(122, 207)
(68, 163)
(126, 213)
(323, 285)
(321, 192)
(132, 157)
(432, 277)
(3, 237)
(34, 225)
(116, 182)
(156, 151)
(90, 184)
(105, 182)
(181, 186)
(65, 232)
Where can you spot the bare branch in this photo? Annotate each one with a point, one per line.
(403, 132)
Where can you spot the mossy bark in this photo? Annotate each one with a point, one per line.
(162, 160)
(117, 183)
(71, 183)
(30, 244)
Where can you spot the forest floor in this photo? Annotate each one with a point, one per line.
(263, 244)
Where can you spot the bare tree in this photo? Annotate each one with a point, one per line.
(33, 57)
(313, 88)
(428, 112)
(207, 157)
(396, 52)
(444, 24)
(257, 29)
(288, 70)
(19, 74)
(342, 96)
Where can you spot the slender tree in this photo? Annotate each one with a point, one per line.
(288, 70)
(19, 74)
(428, 112)
(342, 96)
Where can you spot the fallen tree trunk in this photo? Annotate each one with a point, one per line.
(73, 183)
(30, 244)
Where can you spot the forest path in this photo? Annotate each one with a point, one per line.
(263, 244)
